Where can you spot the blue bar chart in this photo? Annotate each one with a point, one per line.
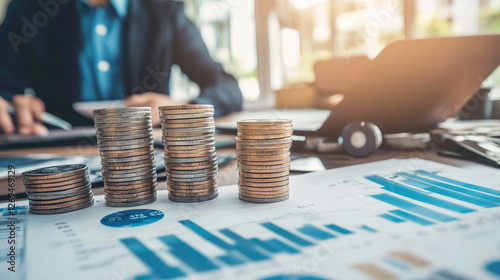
(18, 210)
(420, 198)
(238, 251)
(424, 187)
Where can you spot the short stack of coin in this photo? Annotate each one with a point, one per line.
(190, 158)
(125, 141)
(263, 153)
(58, 189)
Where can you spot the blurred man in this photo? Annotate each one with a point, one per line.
(88, 50)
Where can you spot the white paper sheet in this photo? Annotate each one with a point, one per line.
(78, 246)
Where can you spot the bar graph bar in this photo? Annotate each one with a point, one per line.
(338, 229)
(402, 190)
(459, 183)
(491, 198)
(266, 246)
(392, 218)
(409, 258)
(159, 268)
(315, 232)
(187, 254)
(245, 246)
(397, 264)
(206, 234)
(494, 268)
(231, 260)
(281, 246)
(287, 235)
(412, 207)
(413, 218)
(375, 271)
(367, 228)
(449, 275)
(18, 210)
(452, 194)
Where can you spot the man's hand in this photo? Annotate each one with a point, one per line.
(153, 100)
(29, 111)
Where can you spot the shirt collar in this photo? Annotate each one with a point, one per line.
(120, 6)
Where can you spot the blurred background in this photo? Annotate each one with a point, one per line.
(272, 46)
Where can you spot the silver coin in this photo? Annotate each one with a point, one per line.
(188, 138)
(129, 179)
(130, 198)
(103, 143)
(132, 185)
(199, 171)
(60, 194)
(63, 210)
(195, 179)
(186, 116)
(167, 125)
(130, 204)
(121, 110)
(187, 121)
(192, 199)
(190, 159)
(124, 137)
(103, 149)
(121, 118)
(192, 175)
(193, 129)
(54, 189)
(119, 131)
(188, 148)
(185, 111)
(263, 200)
(128, 173)
(124, 172)
(129, 159)
(57, 171)
(113, 192)
(189, 143)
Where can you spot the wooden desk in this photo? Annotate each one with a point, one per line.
(228, 174)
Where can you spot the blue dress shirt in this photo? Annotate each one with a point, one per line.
(100, 54)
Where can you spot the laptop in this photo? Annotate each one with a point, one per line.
(412, 85)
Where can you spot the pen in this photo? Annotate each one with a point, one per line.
(47, 118)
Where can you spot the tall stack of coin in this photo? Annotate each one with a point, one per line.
(263, 153)
(58, 189)
(190, 159)
(125, 141)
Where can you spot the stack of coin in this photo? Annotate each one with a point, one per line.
(125, 141)
(58, 189)
(190, 159)
(263, 153)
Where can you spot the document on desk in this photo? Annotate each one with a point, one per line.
(75, 136)
(394, 219)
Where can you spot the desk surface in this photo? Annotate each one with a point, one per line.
(356, 231)
(228, 174)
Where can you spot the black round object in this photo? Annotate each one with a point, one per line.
(361, 139)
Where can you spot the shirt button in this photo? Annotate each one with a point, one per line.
(103, 66)
(101, 30)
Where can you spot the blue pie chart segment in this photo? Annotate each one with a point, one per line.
(494, 268)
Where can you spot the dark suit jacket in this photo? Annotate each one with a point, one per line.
(39, 49)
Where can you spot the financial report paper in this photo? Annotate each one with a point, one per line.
(394, 219)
